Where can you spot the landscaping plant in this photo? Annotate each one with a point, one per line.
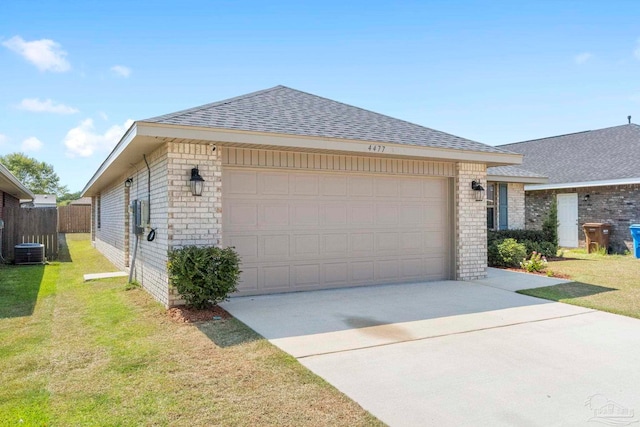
(535, 264)
(204, 276)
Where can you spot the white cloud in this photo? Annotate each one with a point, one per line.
(121, 70)
(31, 144)
(46, 106)
(582, 57)
(45, 54)
(3, 139)
(636, 52)
(83, 140)
(103, 115)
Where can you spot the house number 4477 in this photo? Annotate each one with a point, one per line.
(377, 148)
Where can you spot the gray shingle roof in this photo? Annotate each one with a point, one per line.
(596, 155)
(515, 171)
(284, 110)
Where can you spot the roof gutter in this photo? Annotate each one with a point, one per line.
(603, 183)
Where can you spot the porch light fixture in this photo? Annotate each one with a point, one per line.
(128, 182)
(586, 198)
(196, 182)
(479, 189)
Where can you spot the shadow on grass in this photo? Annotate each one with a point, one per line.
(228, 333)
(19, 288)
(63, 249)
(566, 291)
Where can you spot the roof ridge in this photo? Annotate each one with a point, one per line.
(569, 134)
(211, 104)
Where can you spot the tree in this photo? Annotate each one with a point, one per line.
(39, 177)
(67, 198)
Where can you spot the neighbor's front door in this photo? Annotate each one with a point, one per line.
(568, 220)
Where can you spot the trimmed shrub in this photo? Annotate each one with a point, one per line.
(509, 253)
(519, 235)
(204, 276)
(546, 249)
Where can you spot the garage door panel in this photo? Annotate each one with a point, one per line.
(305, 214)
(386, 214)
(274, 183)
(335, 244)
(306, 275)
(386, 187)
(336, 273)
(387, 270)
(410, 188)
(243, 182)
(306, 245)
(274, 214)
(275, 247)
(310, 230)
(276, 277)
(434, 189)
(362, 243)
(304, 184)
(242, 215)
(248, 280)
(331, 185)
(334, 214)
(362, 271)
(360, 186)
(361, 214)
(387, 242)
(246, 246)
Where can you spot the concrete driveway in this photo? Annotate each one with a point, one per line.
(460, 353)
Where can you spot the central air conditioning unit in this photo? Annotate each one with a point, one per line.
(29, 253)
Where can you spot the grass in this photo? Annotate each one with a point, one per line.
(603, 282)
(74, 353)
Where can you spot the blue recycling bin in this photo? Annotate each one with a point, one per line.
(635, 233)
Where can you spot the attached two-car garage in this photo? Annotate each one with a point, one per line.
(307, 229)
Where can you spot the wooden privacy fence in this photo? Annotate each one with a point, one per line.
(30, 225)
(74, 219)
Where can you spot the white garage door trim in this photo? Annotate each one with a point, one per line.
(303, 230)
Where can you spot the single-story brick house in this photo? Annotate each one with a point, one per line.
(11, 191)
(313, 193)
(594, 176)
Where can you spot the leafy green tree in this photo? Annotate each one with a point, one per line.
(67, 198)
(39, 177)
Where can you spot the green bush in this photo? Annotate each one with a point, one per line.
(550, 225)
(204, 276)
(546, 249)
(510, 253)
(536, 263)
(519, 235)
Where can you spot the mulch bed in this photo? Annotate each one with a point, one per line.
(184, 314)
(542, 273)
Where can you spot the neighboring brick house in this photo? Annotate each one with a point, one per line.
(11, 191)
(594, 177)
(313, 194)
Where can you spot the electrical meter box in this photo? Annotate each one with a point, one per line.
(140, 211)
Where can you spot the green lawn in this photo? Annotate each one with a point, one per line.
(74, 353)
(604, 282)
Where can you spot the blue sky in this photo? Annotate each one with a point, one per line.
(73, 74)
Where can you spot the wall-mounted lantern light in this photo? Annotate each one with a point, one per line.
(196, 182)
(128, 182)
(479, 189)
(586, 198)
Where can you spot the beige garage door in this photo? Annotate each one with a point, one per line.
(314, 230)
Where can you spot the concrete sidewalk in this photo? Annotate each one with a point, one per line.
(456, 353)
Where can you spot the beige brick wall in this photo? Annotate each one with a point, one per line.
(515, 194)
(193, 220)
(470, 223)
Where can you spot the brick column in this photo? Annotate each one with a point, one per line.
(470, 223)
